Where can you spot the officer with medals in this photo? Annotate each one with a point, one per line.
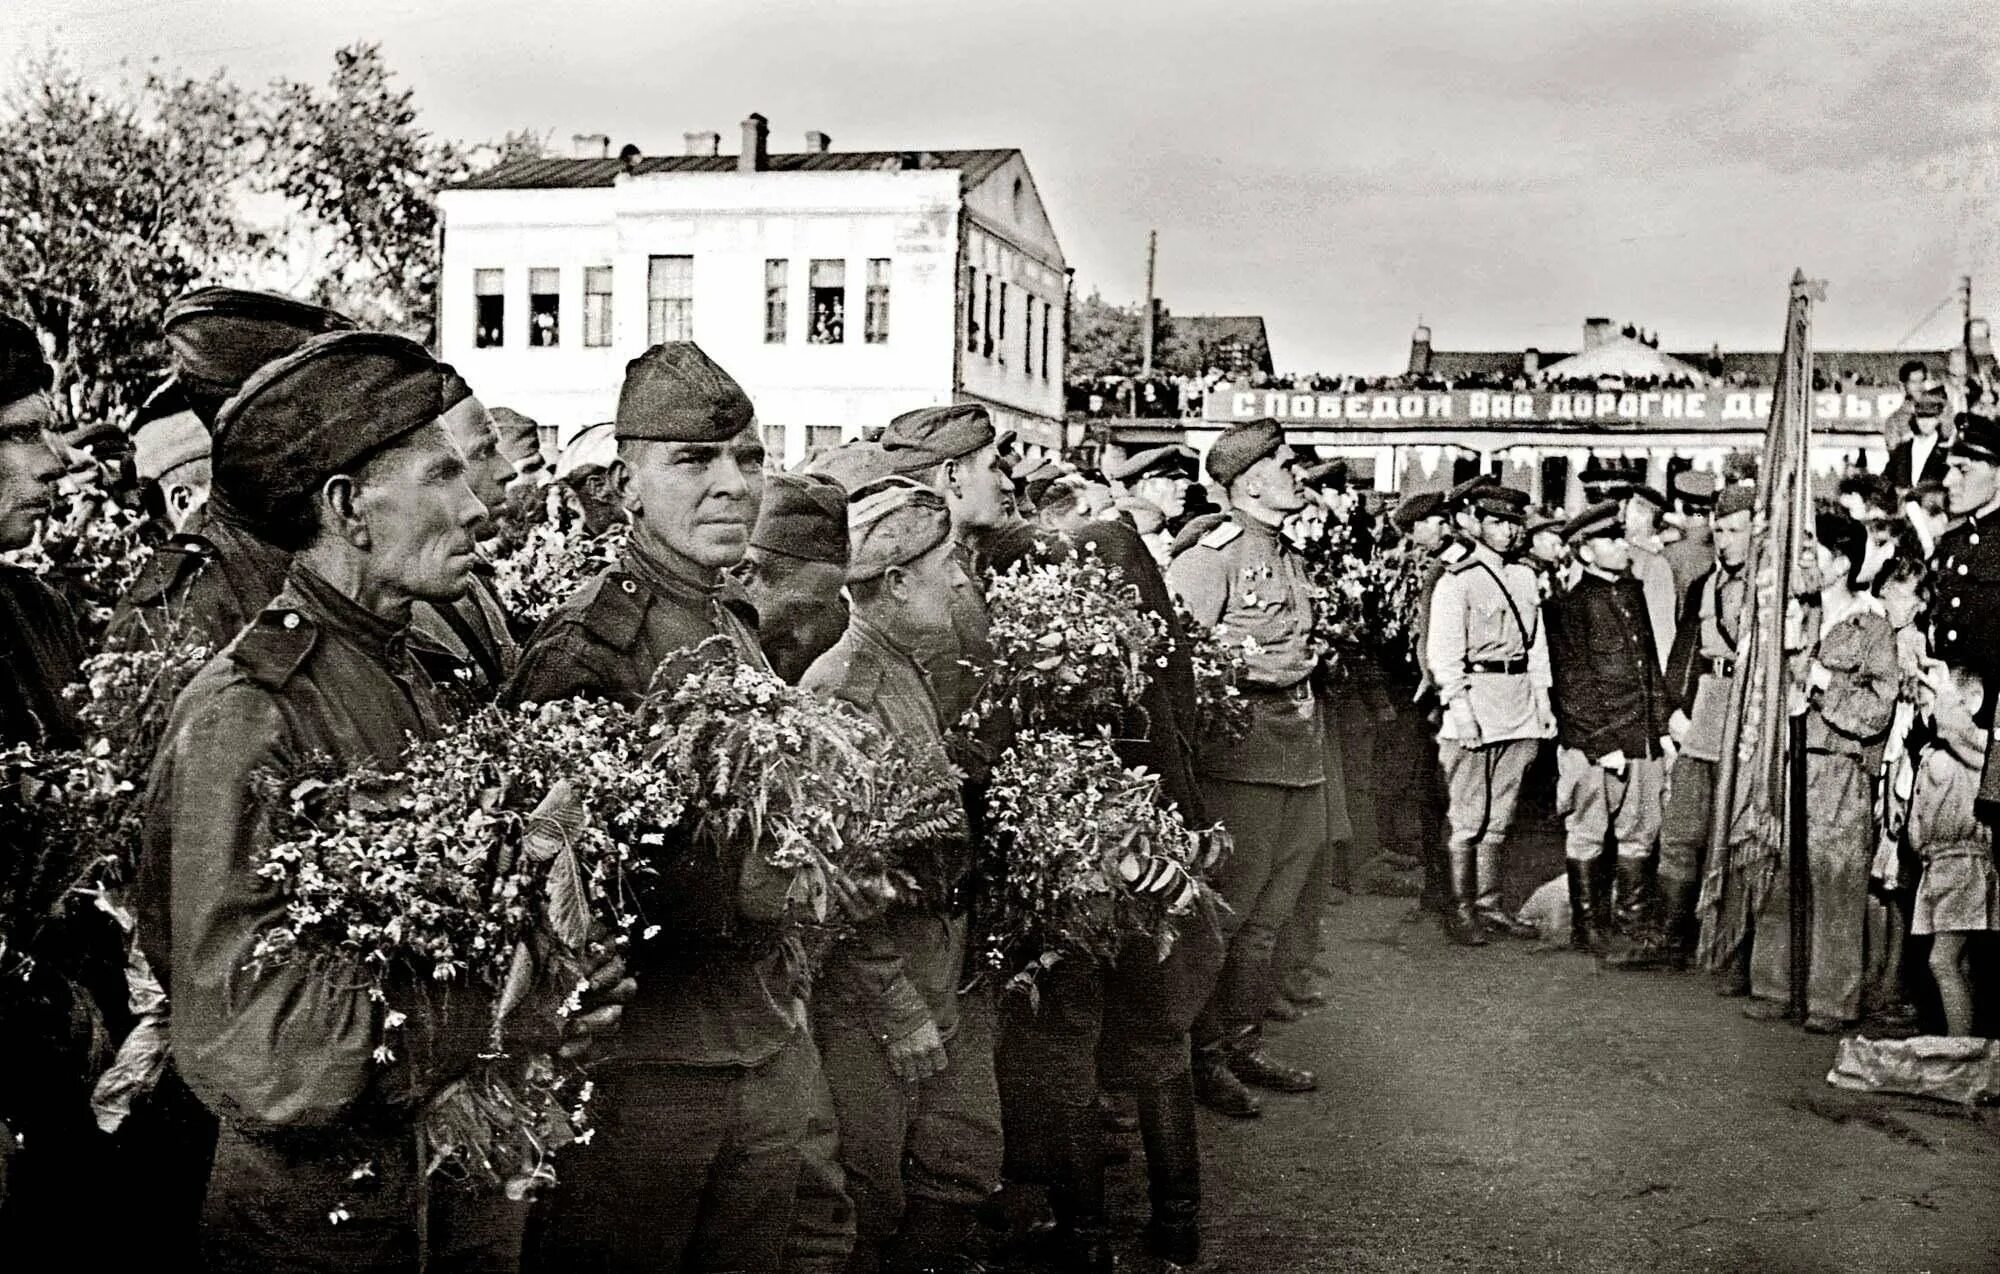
(335, 456)
(215, 575)
(908, 1057)
(795, 570)
(716, 1092)
(1266, 788)
(1489, 655)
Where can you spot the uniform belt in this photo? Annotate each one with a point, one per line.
(1508, 667)
(1721, 667)
(1298, 692)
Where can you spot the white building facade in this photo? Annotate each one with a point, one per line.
(840, 289)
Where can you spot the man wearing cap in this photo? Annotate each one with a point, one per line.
(524, 506)
(1488, 652)
(1700, 671)
(1548, 555)
(1415, 826)
(717, 1085)
(1611, 730)
(1691, 552)
(1266, 788)
(51, 1157)
(473, 633)
(1161, 475)
(852, 464)
(908, 1058)
(1915, 377)
(215, 575)
(170, 449)
(1643, 506)
(334, 454)
(952, 450)
(1966, 615)
(795, 568)
(583, 471)
(1924, 455)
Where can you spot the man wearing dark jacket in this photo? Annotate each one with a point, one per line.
(1921, 457)
(1611, 724)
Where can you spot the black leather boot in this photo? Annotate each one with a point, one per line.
(934, 1238)
(1583, 918)
(1217, 1087)
(1173, 1169)
(1678, 926)
(1082, 1235)
(1255, 1067)
(1461, 920)
(1639, 945)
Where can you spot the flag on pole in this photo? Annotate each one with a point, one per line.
(1751, 834)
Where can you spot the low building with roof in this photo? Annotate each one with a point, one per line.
(840, 287)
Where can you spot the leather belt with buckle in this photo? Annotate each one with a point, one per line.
(1505, 667)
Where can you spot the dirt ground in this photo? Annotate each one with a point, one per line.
(1510, 1109)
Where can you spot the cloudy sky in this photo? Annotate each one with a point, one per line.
(1501, 168)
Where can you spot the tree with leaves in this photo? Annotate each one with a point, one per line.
(1104, 339)
(112, 202)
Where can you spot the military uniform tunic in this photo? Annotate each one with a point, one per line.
(207, 582)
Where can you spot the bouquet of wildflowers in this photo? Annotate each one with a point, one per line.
(487, 860)
(550, 563)
(1090, 857)
(1222, 714)
(816, 791)
(1072, 648)
(91, 548)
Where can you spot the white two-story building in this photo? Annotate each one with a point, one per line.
(840, 288)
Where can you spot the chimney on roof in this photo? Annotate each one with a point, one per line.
(590, 145)
(1420, 350)
(702, 145)
(1596, 332)
(818, 143)
(756, 155)
(629, 155)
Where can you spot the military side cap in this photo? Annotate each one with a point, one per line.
(1176, 461)
(1978, 437)
(1640, 491)
(891, 522)
(675, 393)
(852, 464)
(1146, 516)
(1241, 446)
(301, 419)
(1189, 535)
(451, 386)
(216, 337)
(929, 436)
(1417, 508)
(24, 372)
(1696, 490)
(1738, 497)
(1327, 475)
(804, 516)
(165, 443)
(1604, 520)
(520, 439)
(593, 446)
(1500, 502)
(1039, 469)
(1458, 496)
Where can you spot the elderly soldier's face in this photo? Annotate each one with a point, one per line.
(696, 499)
(487, 472)
(28, 473)
(420, 517)
(1970, 485)
(1732, 539)
(927, 587)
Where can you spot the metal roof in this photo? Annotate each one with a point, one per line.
(974, 166)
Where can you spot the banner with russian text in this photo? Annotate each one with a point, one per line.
(1720, 409)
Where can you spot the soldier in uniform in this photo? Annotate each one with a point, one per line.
(473, 632)
(715, 1097)
(583, 472)
(1643, 507)
(1489, 655)
(1690, 554)
(795, 568)
(1966, 614)
(1700, 670)
(1266, 788)
(908, 1057)
(1415, 826)
(334, 454)
(216, 575)
(1611, 729)
(170, 449)
(1161, 476)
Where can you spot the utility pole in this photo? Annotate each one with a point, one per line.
(1965, 314)
(1146, 320)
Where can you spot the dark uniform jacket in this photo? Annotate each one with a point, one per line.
(903, 969)
(209, 581)
(286, 1058)
(1965, 618)
(43, 653)
(469, 642)
(716, 986)
(1609, 693)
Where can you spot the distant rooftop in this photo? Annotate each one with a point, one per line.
(974, 166)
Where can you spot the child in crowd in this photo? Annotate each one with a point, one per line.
(1956, 898)
(1905, 591)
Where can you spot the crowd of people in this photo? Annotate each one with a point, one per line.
(319, 509)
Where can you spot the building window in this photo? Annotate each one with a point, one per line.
(597, 307)
(774, 446)
(669, 299)
(489, 308)
(1028, 336)
(544, 308)
(1048, 321)
(971, 310)
(827, 293)
(1000, 337)
(877, 317)
(986, 320)
(821, 438)
(775, 269)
